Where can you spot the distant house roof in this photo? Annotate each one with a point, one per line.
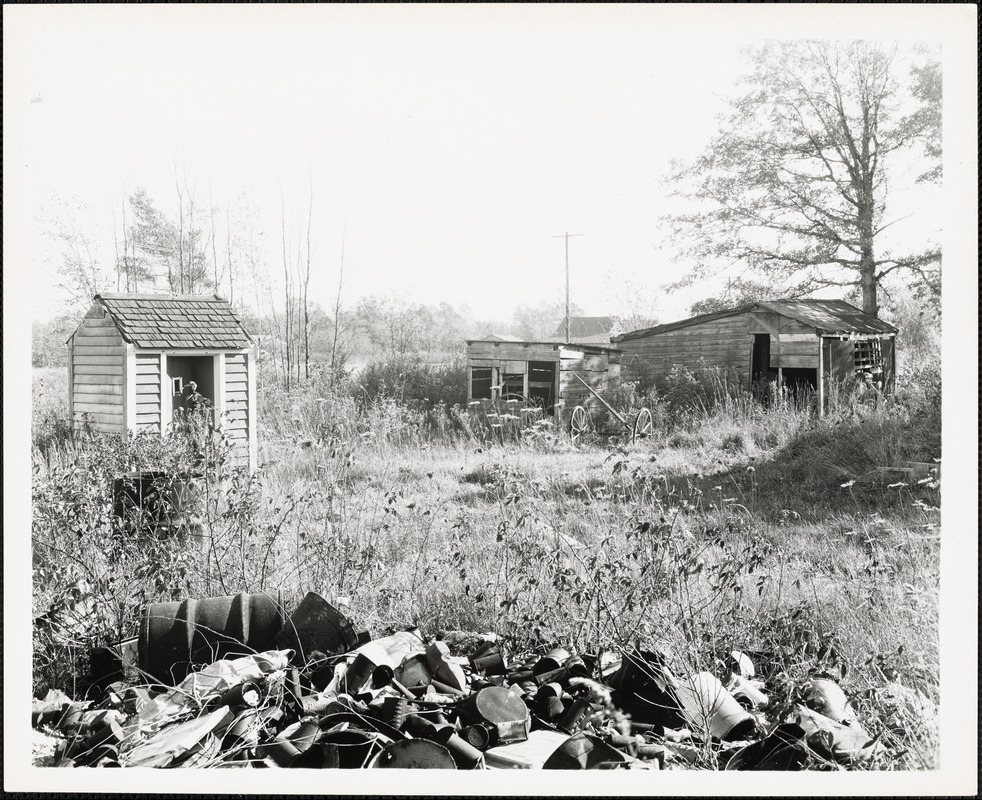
(500, 337)
(582, 327)
(826, 316)
(175, 321)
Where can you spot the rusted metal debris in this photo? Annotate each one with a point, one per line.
(326, 696)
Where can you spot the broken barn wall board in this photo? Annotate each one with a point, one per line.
(841, 362)
(794, 351)
(889, 349)
(512, 351)
(794, 362)
(721, 343)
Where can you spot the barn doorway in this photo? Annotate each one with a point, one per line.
(542, 384)
(762, 377)
(183, 371)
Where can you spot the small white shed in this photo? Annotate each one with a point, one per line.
(133, 355)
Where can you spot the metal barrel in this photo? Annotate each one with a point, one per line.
(175, 637)
(155, 499)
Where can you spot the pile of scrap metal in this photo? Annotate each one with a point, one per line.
(326, 696)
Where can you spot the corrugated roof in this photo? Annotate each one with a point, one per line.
(826, 316)
(176, 321)
(829, 316)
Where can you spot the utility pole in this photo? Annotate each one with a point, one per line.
(566, 237)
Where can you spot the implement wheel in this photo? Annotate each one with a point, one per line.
(643, 425)
(578, 424)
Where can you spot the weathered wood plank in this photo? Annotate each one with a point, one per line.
(235, 369)
(796, 348)
(512, 351)
(102, 418)
(96, 350)
(93, 339)
(147, 389)
(79, 379)
(794, 362)
(92, 407)
(99, 361)
(112, 390)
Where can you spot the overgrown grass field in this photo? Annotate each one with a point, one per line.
(736, 526)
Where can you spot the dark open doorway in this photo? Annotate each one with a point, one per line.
(182, 371)
(542, 383)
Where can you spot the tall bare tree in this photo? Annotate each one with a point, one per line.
(793, 189)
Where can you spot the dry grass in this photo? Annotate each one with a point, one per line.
(734, 531)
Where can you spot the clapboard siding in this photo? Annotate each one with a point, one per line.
(148, 391)
(98, 389)
(97, 381)
(238, 419)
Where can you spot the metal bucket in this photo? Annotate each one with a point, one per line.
(176, 636)
(505, 711)
(709, 706)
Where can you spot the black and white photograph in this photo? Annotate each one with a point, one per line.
(553, 391)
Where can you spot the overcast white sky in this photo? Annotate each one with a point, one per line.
(453, 142)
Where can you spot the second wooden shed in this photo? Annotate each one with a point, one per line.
(132, 358)
(806, 342)
(540, 372)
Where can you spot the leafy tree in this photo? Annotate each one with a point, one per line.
(926, 89)
(794, 186)
(176, 250)
(740, 294)
(537, 323)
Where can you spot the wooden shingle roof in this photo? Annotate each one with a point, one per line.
(166, 321)
(826, 316)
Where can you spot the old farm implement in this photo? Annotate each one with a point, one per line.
(580, 424)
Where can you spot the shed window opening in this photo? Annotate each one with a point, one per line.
(481, 381)
(868, 357)
(513, 386)
(178, 385)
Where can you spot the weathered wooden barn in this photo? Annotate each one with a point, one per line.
(540, 372)
(133, 356)
(813, 342)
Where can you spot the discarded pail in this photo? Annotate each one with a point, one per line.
(422, 728)
(826, 697)
(552, 660)
(574, 715)
(175, 636)
(464, 754)
(708, 705)
(413, 754)
(502, 709)
(488, 659)
(746, 694)
(354, 748)
(317, 625)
